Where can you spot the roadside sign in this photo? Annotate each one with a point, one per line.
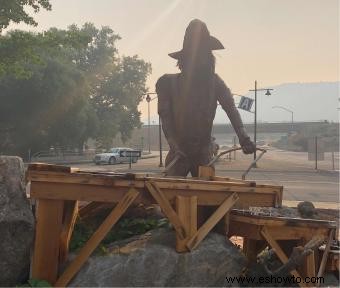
(246, 103)
(130, 153)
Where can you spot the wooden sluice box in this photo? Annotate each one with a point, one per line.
(58, 189)
(283, 234)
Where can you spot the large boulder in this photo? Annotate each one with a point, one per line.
(151, 260)
(16, 222)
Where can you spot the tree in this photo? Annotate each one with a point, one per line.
(74, 87)
(14, 10)
(117, 99)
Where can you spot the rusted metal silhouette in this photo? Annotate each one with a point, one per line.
(187, 103)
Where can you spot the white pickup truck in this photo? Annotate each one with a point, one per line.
(114, 156)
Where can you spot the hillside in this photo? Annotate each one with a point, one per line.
(308, 101)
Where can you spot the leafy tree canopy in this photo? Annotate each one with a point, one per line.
(73, 86)
(14, 10)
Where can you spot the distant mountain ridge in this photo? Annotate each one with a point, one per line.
(308, 101)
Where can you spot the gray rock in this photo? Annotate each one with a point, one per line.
(151, 260)
(16, 222)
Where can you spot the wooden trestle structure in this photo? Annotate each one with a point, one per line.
(58, 189)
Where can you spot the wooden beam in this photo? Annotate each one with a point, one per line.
(90, 208)
(96, 238)
(69, 220)
(104, 193)
(49, 217)
(280, 221)
(325, 255)
(279, 252)
(163, 202)
(51, 167)
(186, 208)
(117, 180)
(212, 221)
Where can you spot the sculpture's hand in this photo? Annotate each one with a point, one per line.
(247, 145)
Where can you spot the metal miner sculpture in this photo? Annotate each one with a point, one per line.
(187, 103)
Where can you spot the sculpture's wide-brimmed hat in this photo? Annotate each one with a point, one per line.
(197, 37)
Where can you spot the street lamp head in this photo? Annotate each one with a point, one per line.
(268, 93)
(148, 98)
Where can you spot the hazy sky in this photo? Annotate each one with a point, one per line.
(273, 41)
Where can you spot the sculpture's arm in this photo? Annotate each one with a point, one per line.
(163, 90)
(225, 98)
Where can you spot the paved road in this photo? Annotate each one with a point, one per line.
(289, 169)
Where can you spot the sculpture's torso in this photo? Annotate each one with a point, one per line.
(193, 106)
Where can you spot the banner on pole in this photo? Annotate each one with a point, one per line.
(246, 103)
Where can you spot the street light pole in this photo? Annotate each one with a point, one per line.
(255, 120)
(255, 116)
(148, 99)
(160, 142)
(292, 115)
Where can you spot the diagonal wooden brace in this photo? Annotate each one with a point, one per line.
(167, 209)
(279, 252)
(70, 218)
(325, 255)
(96, 238)
(222, 210)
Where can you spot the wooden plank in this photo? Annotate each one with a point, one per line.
(216, 198)
(96, 238)
(167, 209)
(81, 192)
(215, 186)
(51, 167)
(69, 220)
(186, 208)
(80, 178)
(49, 215)
(279, 252)
(281, 221)
(109, 180)
(325, 255)
(244, 182)
(284, 232)
(98, 193)
(206, 172)
(212, 221)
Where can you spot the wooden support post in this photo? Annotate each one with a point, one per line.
(96, 238)
(49, 216)
(250, 249)
(186, 208)
(282, 256)
(69, 220)
(166, 208)
(310, 265)
(206, 172)
(325, 255)
(227, 204)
